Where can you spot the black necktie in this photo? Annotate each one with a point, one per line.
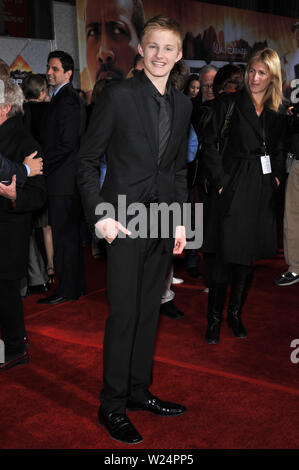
(164, 125)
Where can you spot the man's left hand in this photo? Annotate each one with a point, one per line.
(10, 191)
(180, 240)
(35, 164)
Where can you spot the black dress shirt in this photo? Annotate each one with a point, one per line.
(161, 119)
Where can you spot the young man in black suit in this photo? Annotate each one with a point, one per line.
(64, 126)
(141, 125)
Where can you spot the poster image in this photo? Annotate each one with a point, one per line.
(108, 35)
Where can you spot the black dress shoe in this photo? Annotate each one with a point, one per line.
(171, 310)
(54, 299)
(12, 360)
(156, 406)
(119, 427)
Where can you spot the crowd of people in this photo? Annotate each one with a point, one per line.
(160, 136)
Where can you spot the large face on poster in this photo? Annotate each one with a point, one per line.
(108, 35)
(111, 37)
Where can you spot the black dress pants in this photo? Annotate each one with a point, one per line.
(136, 272)
(11, 316)
(64, 218)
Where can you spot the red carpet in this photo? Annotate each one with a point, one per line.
(240, 394)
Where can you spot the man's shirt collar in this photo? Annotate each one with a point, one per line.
(155, 91)
(59, 88)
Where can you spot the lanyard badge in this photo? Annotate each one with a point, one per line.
(265, 162)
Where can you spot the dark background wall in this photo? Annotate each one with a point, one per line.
(284, 8)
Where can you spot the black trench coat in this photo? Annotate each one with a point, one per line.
(16, 223)
(241, 222)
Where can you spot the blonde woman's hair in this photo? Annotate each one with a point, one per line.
(270, 58)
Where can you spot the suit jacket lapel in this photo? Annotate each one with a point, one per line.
(268, 127)
(67, 85)
(144, 115)
(247, 109)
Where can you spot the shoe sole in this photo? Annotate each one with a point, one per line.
(155, 413)
(240, 337)
(103, 425)
(287, 283)
(57, 302)
(22, 362)
(212, 341)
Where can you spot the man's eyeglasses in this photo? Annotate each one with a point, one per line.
(206, 87)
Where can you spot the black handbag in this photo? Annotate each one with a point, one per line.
(203, 119)
(222, 140)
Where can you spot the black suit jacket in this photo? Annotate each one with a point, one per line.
(120, 127)
(64, 126)
(9, 168)
(16, 222)
(35, 113)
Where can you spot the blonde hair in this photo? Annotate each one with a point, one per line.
(165, 23)
(273, 96)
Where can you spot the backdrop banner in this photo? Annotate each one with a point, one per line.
(108, 35)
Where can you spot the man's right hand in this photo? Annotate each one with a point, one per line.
(109, 228)
(35, 164)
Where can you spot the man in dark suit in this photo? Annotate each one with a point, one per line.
(64, 126)
(141, 125)
(16, 206)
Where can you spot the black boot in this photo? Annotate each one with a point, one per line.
(239, 288)
(217, 294)
(234, 321)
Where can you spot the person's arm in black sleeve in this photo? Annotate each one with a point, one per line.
(212, 159)
(279, 149)
(9, 168)
(93, 146)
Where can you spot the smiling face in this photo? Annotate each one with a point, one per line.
(56, 76)
(160, 49)
(259, 78)
(111, 38)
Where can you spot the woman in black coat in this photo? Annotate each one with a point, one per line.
(16, 225)
(245, 176)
